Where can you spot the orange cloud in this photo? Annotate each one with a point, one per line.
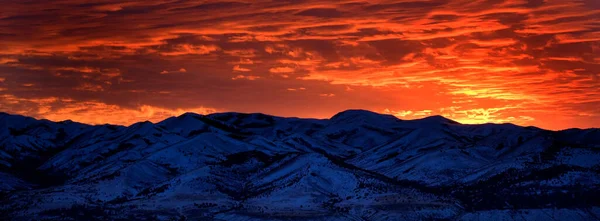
(90, 87)
(8, 60)
(93, 112)
(278, 70)
(296, 89)
(188, 49)
(238, 68)
(526, 62)
(100, 113)
(249, 77)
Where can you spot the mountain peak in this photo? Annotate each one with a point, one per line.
(145, 123)
(189, 114)
(439, 119)
(357, 115)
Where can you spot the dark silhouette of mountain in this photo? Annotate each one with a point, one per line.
(358, 165)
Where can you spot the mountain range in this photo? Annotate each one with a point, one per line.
(357, 165)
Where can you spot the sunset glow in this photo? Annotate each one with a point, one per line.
(527, 62)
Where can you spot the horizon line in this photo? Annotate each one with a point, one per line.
(296, 117)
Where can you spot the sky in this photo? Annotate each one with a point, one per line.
(534, 62)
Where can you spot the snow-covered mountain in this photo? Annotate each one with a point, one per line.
(358, 165)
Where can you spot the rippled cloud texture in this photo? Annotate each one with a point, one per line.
(533, 62)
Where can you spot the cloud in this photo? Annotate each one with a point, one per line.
(8, 60)
(181, 70)
(248, 77)
(93, 112)
(321, 12)
(296, 89)
(526, 62)
(187, 49)
(90, 87)
(242, 53)
(241, 69)
(278, 70)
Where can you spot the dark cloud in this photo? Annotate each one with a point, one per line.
(321, 12)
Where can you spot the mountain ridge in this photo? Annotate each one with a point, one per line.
(358, 165)
(431, 117)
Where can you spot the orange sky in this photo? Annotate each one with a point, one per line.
(533, 62)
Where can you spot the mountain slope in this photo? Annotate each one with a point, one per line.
(358, 165)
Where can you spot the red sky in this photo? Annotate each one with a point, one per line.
(533, 62)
